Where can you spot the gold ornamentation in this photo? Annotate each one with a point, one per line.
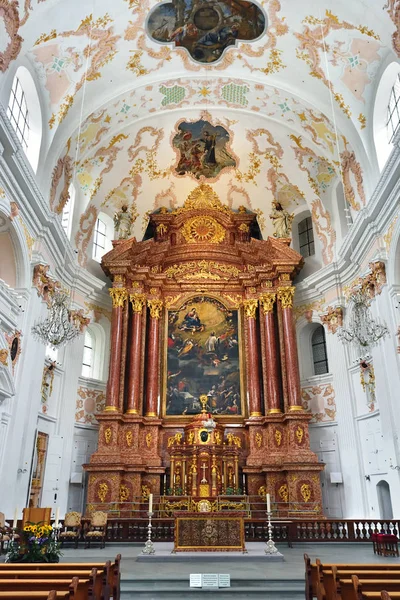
(129, 437)
(259, 439)
(175, 439)
(244, 227)
(250, 308)
(161, 229)
(149, 439)
(203, 229)
(137, 301)
(278, 437)
(4, 356)
(203, 197)
(171, 300)
(118, 295)
(145, 491)
(201, 269)
(262, 491)
(108, 435)
(362, 120)
(98, 311)
(102, 492)
(284, 277)
(234, 440)
(305, 491)
(299, 434)
(204, 490)
(284, 492)
(333, 319)
(217, 437)
(155, 307)
(236, 301)
(285, 295)
(190, 438)
(267, 302)
(367, 370)
(123, 493)
(119, 279)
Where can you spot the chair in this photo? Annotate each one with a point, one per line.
(5, 532)
(72, 528)
(36, 515)
(387, 544)
(96, 530)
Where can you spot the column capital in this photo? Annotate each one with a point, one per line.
(137, 301)
(267, 301)
(118, 295)
(285, 295)
(155, 307)
(250, 308)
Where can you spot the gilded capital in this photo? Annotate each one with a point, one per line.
(137, 301)
(285, 295)
(118, 295)
(267, 302)
(250, 308)
(155, 307)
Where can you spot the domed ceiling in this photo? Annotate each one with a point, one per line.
(142, 101)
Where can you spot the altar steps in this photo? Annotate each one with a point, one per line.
(167, 588)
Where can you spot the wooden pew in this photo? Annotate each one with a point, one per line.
(37, 595)
(113, 570)
(99, 583)
(356, 589)
(331, 578)
(78, 588)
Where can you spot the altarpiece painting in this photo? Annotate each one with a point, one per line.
(203, 357)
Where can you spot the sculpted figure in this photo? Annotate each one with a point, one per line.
(123, 223)
(282, 221)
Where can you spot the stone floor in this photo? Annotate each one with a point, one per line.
(249, 579)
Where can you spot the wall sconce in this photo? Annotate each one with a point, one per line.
(367, 477)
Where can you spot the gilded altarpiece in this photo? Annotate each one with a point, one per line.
(202, 324)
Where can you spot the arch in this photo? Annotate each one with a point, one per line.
(305, 333)
(383, 146)
(319, 352)
(35, 114)
(95, 334)
(14, 257)
(311, 263)
(384, 500)
(67, 215)
(103, 234)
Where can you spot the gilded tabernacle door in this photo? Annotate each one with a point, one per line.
(203, 356)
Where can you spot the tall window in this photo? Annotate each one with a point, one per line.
(88, 355)
(320, 357)
(17, 112)
(99, 243)
(393, 118)
(306, 237)
(66, 218)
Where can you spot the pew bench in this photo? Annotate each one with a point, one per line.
(78, 589)
(331, 579)
(356, 589)
(53, 595)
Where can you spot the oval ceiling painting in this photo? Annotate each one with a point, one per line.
(206, 29)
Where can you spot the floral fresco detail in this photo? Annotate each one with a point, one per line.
(323, 226)
(59, 193)
(307, 310)
(319, 400)
(320, 171)
(202, 149)
(88, 403)
(351, 168)
(172, 95)
(10, 16)
(285, 193)
(205, 29)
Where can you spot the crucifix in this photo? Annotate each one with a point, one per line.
(204, 467)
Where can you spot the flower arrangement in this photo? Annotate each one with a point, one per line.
(37, 542)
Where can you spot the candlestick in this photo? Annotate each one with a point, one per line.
(149, 546)
(57, 518)
(15, 518)
(268, 503)
(271, 548)
(150, 503)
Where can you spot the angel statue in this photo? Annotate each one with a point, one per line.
(282, 221)
(123, 223)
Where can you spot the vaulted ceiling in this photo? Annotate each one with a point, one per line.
(122, 83)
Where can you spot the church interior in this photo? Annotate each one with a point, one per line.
(200, 287)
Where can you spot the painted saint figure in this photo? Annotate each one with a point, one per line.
(123, 223)
(282, 221)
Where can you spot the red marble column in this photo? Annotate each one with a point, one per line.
(253, 365)
(153, 357)
(285, 296)
(119, 296)
(271, 354)
(133, 395)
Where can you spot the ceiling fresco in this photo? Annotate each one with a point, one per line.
(142, 101)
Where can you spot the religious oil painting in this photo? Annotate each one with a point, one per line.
(206, 28)
(203, 358)
(202, 149)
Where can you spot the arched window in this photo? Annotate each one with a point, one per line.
(306, 237)
(103, 234)
(393, 118)
(18, 113)
(320, 357)
(68, 211)
(88, 355)
(25, 114)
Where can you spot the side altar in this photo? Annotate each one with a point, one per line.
(202, 330)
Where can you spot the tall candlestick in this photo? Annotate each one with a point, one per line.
(15, 517)
(150, 503)
(268, 503)
(57, 518)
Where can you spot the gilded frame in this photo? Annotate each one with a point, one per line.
(209, 517)
(223, 418)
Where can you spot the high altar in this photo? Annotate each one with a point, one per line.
(203, 395)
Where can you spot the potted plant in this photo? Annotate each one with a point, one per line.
(37, 542)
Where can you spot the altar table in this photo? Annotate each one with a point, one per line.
(209, 532)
